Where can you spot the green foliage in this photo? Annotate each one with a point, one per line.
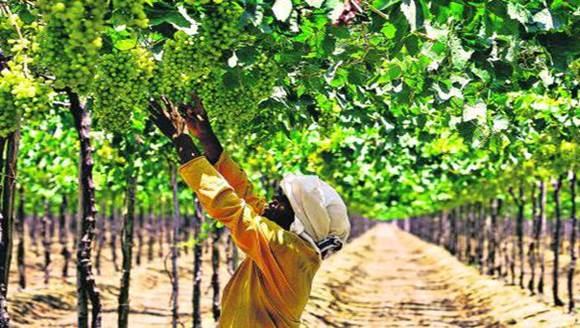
(7, 33)
(416, 106)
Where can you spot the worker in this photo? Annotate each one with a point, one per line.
(284, 241)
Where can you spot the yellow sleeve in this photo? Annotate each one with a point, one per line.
(251, 232)
(238, 179)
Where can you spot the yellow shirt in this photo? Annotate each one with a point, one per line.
(272, 285)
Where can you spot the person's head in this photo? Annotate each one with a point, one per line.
(312, 209)
(280, 211)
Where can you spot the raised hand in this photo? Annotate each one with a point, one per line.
(196, 118)
(199, 126)
(172, 125)
(165, 116)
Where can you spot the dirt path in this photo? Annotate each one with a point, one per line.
(389, 278)
(385, 278)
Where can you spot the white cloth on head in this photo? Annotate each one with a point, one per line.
(321, 214)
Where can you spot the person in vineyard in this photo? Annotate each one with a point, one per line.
(285, 240)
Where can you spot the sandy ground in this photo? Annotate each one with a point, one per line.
(385, 278)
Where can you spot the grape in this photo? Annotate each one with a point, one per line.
(131, 12)
(575, 69)
(70, 40)
(20, 97)
(11, 43)
(121, 87)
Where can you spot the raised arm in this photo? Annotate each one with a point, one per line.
(200, 127)
(251, 232)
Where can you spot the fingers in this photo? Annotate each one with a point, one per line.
(186, 110)
(198, 108)
(154, 108)
(161, 120)
(195, 99)
(167, 103)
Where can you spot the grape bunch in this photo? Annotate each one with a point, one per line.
(71, 40)
(183, 68)
(188, 60)
(219, 31)
(199, 63)
(131, 13)
(239, 104)
(20, 96)
(121, 87)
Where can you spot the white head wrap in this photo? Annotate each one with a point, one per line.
(321, 214)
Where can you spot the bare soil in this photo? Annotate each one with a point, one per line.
(385, 278)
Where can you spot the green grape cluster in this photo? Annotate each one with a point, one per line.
(219, 31)
(15, 35)
(131, 12)
(71, 40)
(188, 60)
(20, 97)
(183, 67)
(121, 87)
(238, 105)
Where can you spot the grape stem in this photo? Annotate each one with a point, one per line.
(375, 10)
(20, 35)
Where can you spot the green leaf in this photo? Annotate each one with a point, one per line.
(232, 79)
(412, 45)
(126, 44)
(357, 76)
(394, 71)
(340, 78)
(247, 55)
(167, 15)
(328, 44)
(389, 30)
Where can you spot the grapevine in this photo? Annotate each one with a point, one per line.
(199, 63)
(121, 87)
(219, 31)
(70, 40)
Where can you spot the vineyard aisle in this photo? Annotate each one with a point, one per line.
(385, 278)
(389, 278)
